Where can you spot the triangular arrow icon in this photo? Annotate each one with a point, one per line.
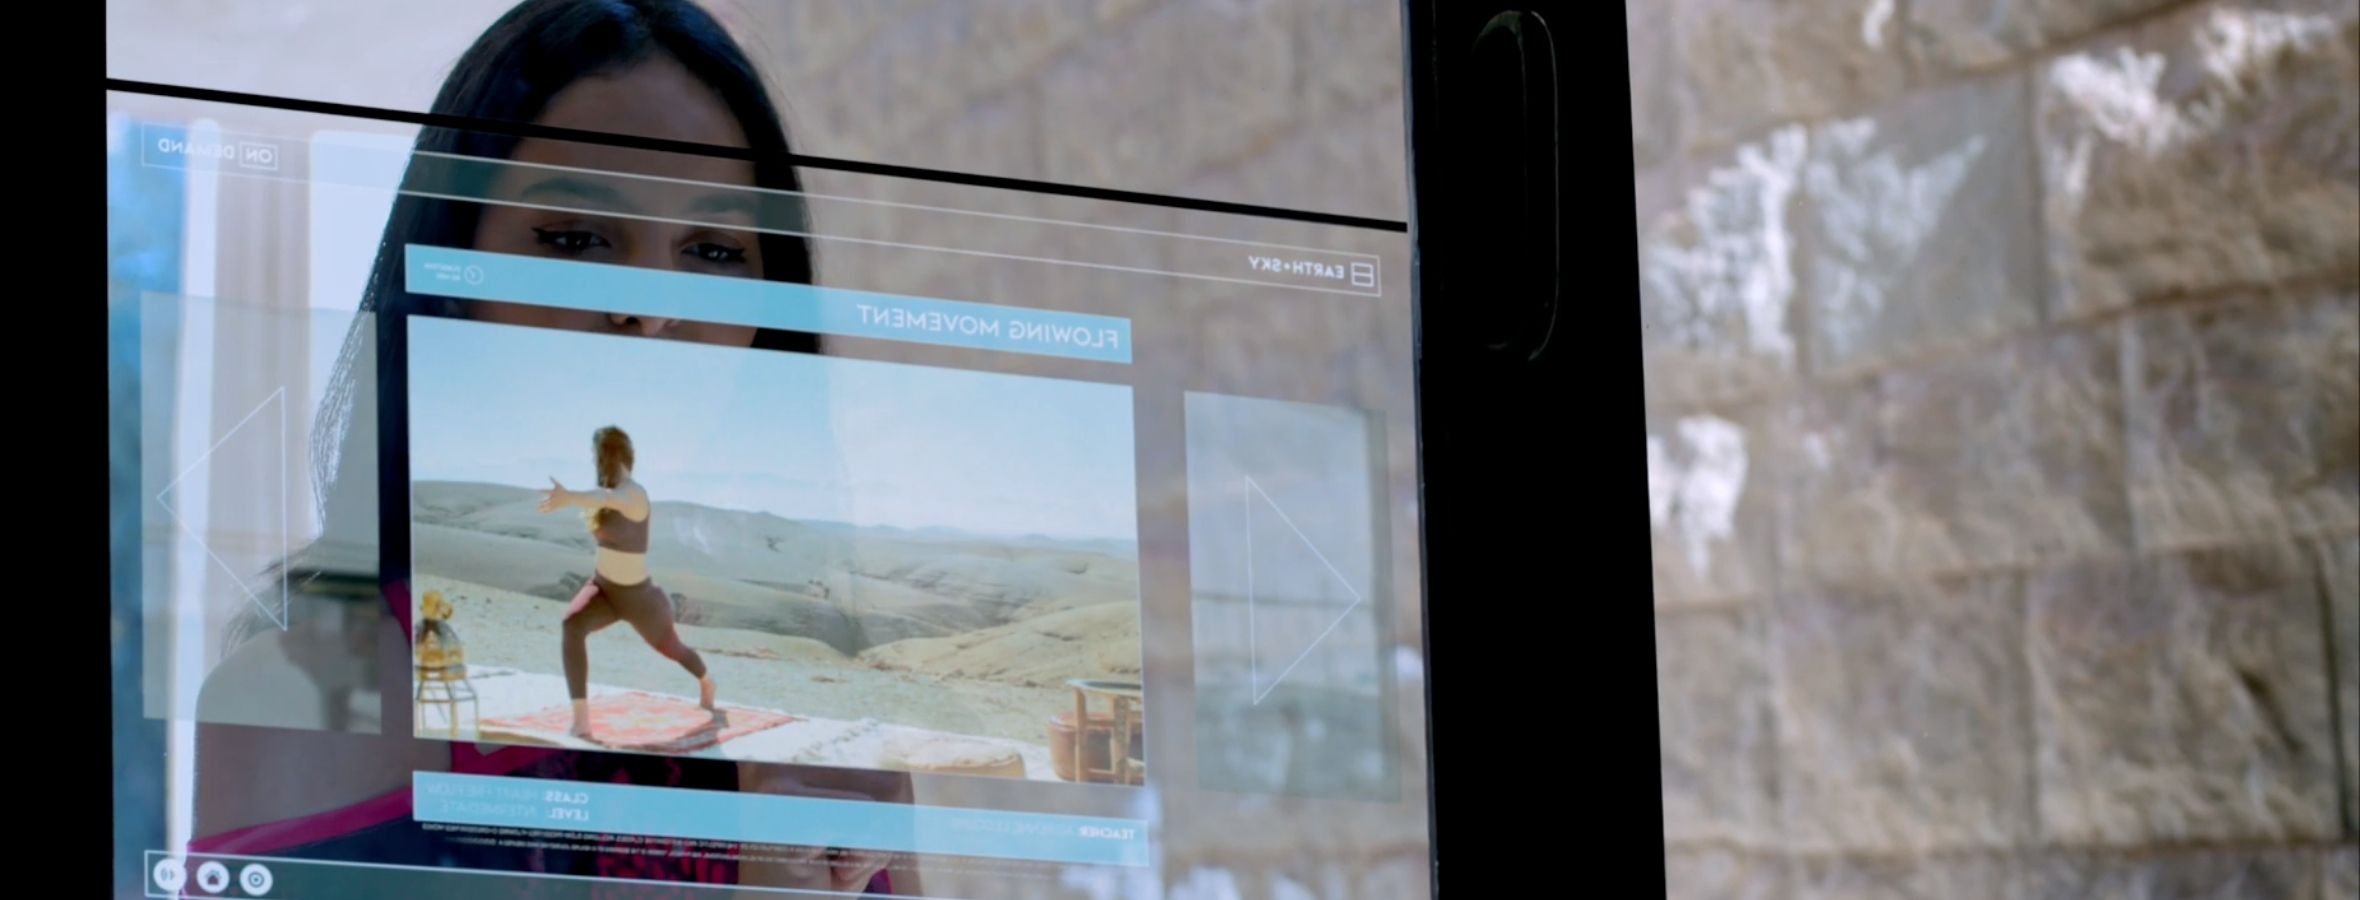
(268, 420)
(1293, 576)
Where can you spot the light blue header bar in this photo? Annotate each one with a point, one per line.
(629, 290)
(531, 803)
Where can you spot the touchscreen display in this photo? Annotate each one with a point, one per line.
(602, 503)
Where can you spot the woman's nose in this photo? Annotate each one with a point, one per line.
(645, 326)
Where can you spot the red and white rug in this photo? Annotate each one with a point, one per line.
(639, 723)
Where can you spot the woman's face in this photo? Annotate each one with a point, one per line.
(562, 206)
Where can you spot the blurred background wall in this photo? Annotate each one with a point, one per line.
(2002, 366)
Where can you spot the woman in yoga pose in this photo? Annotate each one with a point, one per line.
(620, 588)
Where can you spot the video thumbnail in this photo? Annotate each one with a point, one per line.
(652, 546)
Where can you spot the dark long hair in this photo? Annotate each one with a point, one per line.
(509, 76)
(612, 448)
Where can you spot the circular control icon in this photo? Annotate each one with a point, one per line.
(255, 879)
(473, 274)
(170, 875)
(213, 877)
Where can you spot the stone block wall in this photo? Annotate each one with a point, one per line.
(2003, 367)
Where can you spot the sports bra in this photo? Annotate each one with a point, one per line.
(618, 532)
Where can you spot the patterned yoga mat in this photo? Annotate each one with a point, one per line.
(646, 723)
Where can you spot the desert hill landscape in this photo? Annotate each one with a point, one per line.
(929, 627)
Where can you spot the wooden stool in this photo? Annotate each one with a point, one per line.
(441, 676)
(1127, 715)
(447, 687)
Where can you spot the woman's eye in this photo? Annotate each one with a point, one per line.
(569, 241)
(717, 254)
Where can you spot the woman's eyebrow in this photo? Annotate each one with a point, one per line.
(741, 202)
(562, 188)
(574, 191)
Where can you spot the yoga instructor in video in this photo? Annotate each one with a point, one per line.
(620, 587)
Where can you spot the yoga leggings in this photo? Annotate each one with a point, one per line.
(644, 606)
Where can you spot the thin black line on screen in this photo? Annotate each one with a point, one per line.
(526, 129)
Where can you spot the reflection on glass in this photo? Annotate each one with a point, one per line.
(911, 607)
